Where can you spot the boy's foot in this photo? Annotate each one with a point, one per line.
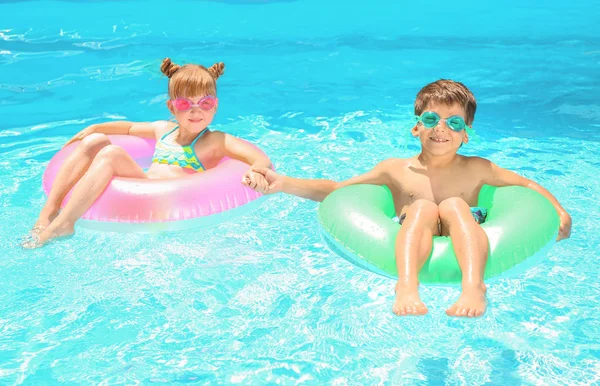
(408, 301)
(471, 303)
(51, 233)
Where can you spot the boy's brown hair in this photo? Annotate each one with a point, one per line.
(447, 92)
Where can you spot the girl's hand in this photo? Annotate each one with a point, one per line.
(273, 180)
(255, 181)
(564, 231)
(81, 135)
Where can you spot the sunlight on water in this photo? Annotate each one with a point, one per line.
(261, 299)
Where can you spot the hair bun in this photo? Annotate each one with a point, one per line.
(169, 68)
(216, 70)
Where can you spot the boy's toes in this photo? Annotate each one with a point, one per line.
(399, 310)
(451, 311)
(409, 309)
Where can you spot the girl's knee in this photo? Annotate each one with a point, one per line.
(109, 153)
(94, 142)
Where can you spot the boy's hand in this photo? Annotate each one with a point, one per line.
(255, 181)
(274, 180)
(564, 231)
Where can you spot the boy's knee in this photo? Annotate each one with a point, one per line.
(95, 142)
(424, 208)
(453, 206)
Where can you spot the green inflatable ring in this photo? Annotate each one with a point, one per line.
(357, 223)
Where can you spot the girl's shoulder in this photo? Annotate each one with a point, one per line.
(163, 127)
(215, 136)
(210, 139)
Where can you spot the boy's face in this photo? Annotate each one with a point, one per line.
(441, 139)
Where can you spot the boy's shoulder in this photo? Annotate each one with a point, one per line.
(395, 163)
(476, 162)
(394, 166)
(478, 167)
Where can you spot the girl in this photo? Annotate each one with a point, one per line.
(187, 146)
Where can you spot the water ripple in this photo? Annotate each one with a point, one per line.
(261, 299)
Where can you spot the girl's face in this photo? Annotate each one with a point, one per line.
(195, 113)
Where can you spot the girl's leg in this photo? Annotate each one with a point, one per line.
(111, 161)
(76, 164)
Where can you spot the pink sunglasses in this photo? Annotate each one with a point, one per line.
(184, 104)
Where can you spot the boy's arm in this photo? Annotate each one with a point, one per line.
(317, 190)
(139, 129)
(497, 176)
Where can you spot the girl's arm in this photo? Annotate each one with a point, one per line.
(242, 151)
(138, 129)
(236, 148)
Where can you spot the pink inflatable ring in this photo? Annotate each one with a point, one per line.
(136, 205)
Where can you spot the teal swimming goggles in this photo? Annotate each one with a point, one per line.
(430, 119)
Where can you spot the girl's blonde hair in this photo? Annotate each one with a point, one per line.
(191, 79)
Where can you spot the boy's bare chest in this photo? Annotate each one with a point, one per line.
(435, 187)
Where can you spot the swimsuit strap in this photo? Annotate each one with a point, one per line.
(197, 138)
(169, 133)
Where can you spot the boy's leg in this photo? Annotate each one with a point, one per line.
(471, 248)
(413, 246)
(76, 164)
(111, 161)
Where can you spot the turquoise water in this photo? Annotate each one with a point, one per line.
(326, 91)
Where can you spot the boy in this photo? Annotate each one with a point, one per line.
(433, 193)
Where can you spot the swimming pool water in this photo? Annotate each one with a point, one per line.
(326, 89)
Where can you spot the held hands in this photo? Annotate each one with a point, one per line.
(255, 181)
(263, 180)
(81, 135)
(564, 231)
